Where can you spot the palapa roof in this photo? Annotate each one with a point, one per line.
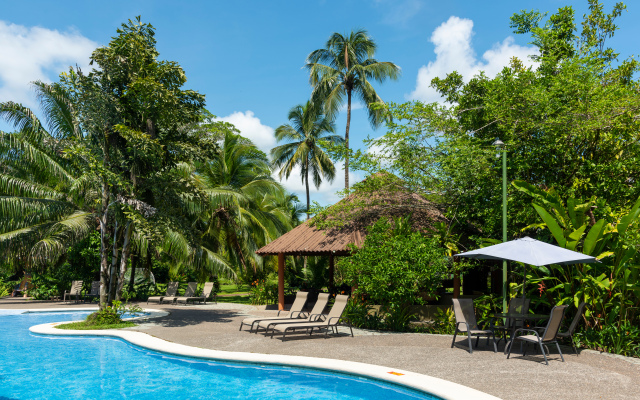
(357, 211)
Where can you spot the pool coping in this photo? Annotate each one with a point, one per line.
(439, 387)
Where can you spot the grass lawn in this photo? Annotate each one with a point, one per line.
(235, 299)
(232, 288)
(82, 325)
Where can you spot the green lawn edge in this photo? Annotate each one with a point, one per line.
(82, 326)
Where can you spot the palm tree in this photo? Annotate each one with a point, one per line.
(345, 67)
(307, 127)
(45, 202)
(229, 215)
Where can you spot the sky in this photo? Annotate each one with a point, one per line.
(248, 57)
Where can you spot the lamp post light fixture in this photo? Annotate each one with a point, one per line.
(499, 144)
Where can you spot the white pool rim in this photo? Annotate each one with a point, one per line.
(439, 387)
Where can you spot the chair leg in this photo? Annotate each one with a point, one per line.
(573, 344)
(543, 353)
(241, 323)
(470, 343)
(558, 346)
(509, 353)
(477, 341)
(495, 345)
(454, 337)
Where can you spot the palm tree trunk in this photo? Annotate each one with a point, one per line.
(306, 181)
(124, 258)
(104, 267)
(346, 141)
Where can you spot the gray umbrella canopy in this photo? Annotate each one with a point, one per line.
(529, 251)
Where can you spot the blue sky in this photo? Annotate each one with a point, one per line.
(247, 57)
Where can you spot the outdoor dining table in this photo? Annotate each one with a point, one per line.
(518, 316)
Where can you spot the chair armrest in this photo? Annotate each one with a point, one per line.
(297, 314)
(332, 318)
(317, 317)
(279, 311)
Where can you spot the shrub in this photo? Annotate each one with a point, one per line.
(392, 267)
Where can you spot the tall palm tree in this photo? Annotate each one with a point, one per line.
(306, 128)
(346, 67)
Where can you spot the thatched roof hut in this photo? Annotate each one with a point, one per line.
(346, 222)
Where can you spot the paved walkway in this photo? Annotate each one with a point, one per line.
(589, 376)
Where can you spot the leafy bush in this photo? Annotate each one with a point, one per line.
(392, 267)
(112, 315)
(266, 291)
(359, 315)
(615, 339)
(444, 322)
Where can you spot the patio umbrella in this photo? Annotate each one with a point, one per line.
(529, 251)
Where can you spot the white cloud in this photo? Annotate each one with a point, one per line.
(35, 53)
(250, 127)
(454, 52)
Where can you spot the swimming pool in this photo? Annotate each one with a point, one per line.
(47, 367)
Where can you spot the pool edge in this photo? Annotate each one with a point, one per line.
(439, 387)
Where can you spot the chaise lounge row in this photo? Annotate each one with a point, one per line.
(298, 320)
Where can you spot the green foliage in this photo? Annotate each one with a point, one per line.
(567, 123)
(265, 291)
(610, 288)
(361, 315)
(618, 339)
(444, 322)
(392, 267)
(111, 315)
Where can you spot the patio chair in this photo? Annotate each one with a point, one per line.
(547, 337)
(95, 291)
(332, 321)
(516, 306)
(466, 322)
(172, 289)
(315, 315)
(294, 312)
(572, 327)
(206, 292)
(76, 290)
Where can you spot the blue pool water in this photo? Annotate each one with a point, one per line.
(43, 367)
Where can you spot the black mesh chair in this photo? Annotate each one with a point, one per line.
(466, 322)
(572, 327)
(517, 305)
(548, 336)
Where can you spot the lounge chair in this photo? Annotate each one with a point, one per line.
(294, 312)
(172, 289)
(547, 337)
(95, 290)
(190, 291)
(332, 321)
(206, 292)
(76, 290)
(466, 322)
(572, 327)
(316, 315)
(516, 306)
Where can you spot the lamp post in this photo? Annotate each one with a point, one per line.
(499, 144)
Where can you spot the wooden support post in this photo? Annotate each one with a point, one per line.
(280, 281)
(331, 273)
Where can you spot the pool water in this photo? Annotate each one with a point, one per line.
(46, 367)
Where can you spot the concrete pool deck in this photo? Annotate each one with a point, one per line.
(215, 326)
